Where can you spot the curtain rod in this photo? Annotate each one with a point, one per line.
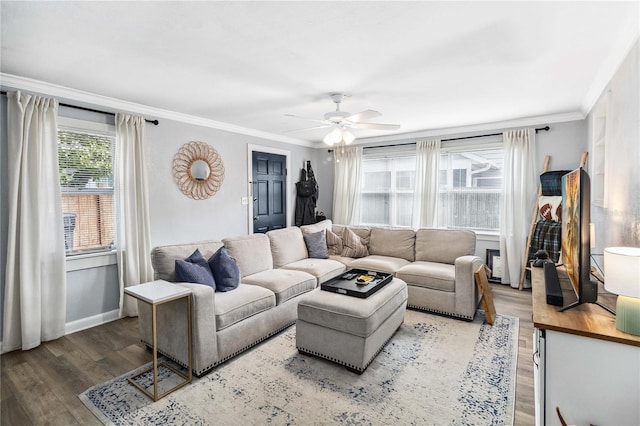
(545, 128)
(154, 122)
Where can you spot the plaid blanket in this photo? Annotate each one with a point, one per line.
(546, 236)
(551, 182)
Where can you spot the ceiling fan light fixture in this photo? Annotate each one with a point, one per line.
(347, 137)
(333, 137)
(340, 121)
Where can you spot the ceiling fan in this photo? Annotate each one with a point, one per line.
(341, 121)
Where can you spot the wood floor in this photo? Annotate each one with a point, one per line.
(40, 386)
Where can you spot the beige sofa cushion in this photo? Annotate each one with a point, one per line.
(322, 269)
(252, 252)
(342, 259)
(396, 242)
(379, 263)
(444, 245)
(286, 284)
(436, 276)
(287, 245)
(316, 227)
(163, 258)
(241, 303)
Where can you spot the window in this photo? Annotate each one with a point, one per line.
(470, 182)
(470, 187)
(86, 179)
(387, 191)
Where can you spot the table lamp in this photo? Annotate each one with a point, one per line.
(622, 277)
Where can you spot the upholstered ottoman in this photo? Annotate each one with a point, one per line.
(349, 330)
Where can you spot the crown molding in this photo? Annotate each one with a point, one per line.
(104, 102)
(475, 128)
(118, 105)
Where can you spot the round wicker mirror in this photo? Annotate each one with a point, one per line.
(198, 170)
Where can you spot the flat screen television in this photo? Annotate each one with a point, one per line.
(576, 236)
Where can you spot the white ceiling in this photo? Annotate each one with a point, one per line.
(424, 65)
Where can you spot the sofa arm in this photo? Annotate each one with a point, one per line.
(467, 295)
(172, 327)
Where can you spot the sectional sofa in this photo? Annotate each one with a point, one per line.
(276, 272)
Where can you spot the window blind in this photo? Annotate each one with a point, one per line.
(86, 181)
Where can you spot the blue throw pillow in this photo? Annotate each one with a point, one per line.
(225, 270)
(317, 245)
(195, 269)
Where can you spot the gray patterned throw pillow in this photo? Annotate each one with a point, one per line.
(316, 245)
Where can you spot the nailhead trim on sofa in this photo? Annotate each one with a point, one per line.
(360, 370)
(435, 311)
(208, 368)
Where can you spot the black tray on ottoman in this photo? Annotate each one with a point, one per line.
(347, 283)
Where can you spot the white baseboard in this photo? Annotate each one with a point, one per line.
(84, 323)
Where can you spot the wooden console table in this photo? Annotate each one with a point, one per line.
(582, 363)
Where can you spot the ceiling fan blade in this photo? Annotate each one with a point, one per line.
(375, 126)
(309, 128)
(315, 120)
(364, 115)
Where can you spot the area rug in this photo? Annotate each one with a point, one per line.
(435, 370)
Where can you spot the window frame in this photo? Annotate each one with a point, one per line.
(381, 154)
(457, 147)
(98, 257)
(447, 147)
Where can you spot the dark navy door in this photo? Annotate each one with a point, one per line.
(269, 191)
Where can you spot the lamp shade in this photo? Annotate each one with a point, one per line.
(622, 271)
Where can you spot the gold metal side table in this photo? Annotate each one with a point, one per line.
(156, 293)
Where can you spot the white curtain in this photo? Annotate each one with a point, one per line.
(425, 196)
(346, 185)
(35, 277)
(519, 189)
(133, 242)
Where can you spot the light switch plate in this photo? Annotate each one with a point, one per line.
(245, 201)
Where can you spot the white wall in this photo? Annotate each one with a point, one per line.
(618, 223)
